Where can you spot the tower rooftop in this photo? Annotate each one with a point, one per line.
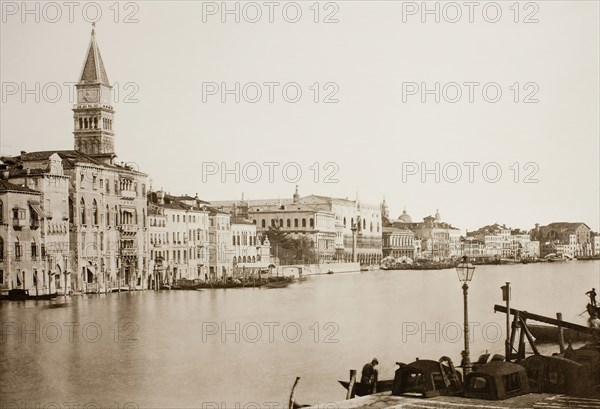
(93, 69)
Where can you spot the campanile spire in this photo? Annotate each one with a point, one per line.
(93, 112)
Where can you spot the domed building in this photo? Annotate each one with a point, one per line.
(405, 217)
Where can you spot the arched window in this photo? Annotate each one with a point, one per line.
(263, 223)
(289, 223)
(1, 212)
(364, 224)
(82, 212)
(371, 226)
(303, 222)
(107, 215)
(280, 222)
(95, 213)
(1, 248)
(234, 260)
(377, 227)
(344, 222)
(312, 222)
(295, 222)
(254, 221)
(253, 259)
(244, 258)
(233, 241)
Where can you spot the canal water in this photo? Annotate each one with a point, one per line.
(245, 347)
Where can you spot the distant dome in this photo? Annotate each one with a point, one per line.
(404, 217)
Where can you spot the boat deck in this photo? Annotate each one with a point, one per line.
(530, 401)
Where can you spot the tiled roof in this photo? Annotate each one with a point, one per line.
(70, 158)
(239, 220)
(6, 186)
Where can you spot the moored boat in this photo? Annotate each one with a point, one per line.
(497, 380)
(550, 334)
(427, 378)
(17, 294)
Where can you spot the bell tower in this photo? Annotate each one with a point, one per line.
(93, 112)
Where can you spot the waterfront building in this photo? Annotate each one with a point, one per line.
(249, 251)
(595, 239)
(438, 240)
(398, 242)
(566, 238)
(52, 210)
(473, 248)
(178, 235)
(21, 258)
(219, 242)
(501, 241)
(106, 201)
(340, 229)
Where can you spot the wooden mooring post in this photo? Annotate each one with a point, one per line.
(561, 334)
(350, 393)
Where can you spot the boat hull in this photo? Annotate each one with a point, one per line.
(549, 334)
(361, 390)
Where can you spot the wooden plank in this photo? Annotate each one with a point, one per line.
(529, 336)
(548, 320)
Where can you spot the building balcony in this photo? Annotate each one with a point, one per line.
(129, 251)
(128, 194)
(128, 228)
(18, 224)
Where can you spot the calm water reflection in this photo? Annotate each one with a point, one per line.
(173, 355)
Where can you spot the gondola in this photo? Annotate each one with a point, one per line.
(18, 294)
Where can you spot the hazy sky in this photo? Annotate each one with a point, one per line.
(378, 135)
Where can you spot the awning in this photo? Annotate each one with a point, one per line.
(36, 208)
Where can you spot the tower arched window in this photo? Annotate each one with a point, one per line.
(85, 123)
(82, 212)
(95, 213)
(80, 123)
(263, 223)
(95, 123)
(289, 223)
(295, 222)
(303, 222)
(312, 222)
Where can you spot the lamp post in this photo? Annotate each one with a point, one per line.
(465, 272)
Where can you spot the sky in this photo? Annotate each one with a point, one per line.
(338, 98)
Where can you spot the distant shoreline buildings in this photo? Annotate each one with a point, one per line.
(76, 221)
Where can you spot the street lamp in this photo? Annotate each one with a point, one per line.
(465, 272)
